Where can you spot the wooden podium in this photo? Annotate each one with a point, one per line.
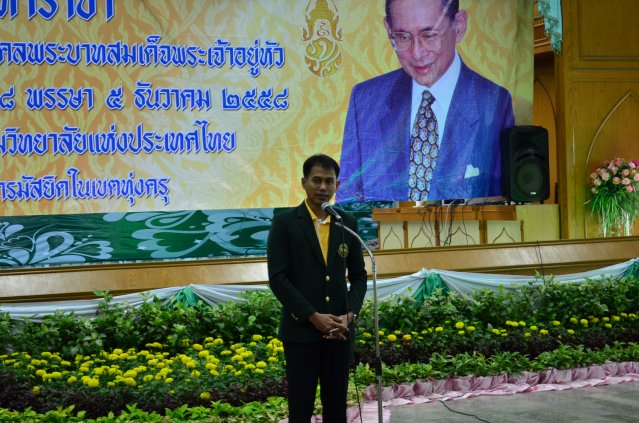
(434, 226)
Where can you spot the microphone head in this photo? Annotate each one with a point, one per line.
(325, 204)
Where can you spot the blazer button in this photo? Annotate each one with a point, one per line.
(328, 299)
(328, 278)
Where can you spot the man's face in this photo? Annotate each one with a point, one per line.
(414, 16)
(320, 185)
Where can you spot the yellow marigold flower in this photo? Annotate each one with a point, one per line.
(556, 323)
(570, 332)
(198, 347)
(35, 362)
(522, 323)
(504, 334)
(147, 378)
(543, 332)
(218, 341)
(208, 339)
(496, 331)
(236, 357)
(574, 320)
(40, 372)
(257, 338)
(470, 328)
(195, 373)
(584, 322)
(98, 371)
(210, 366)
(526, 334)
(397, 332)
(606, 319)
(367, 335)
(259, 371)
(72, 379)
(623, 315)
(229, 368)
(113, 357)
(130, 373)
(117, 351)
(238, 373)
(226, 352)
(205, 396)
(608, 326)
(246, 354)
(65, 363)
(459, 325)
(439, 329)
(461, 332)
(632, 316)
(94, 383)
(35, 390)
(406, 338)
(168, 380)
(249, 366)
(272, 359)
(190, 365)
(508, 322)
(253, 344)
(56, 375)
(129, 381)
(533, 328)
(391, 338)
(214, 372)
(46, 354)
(615, 318)
(594, 320)
(514, 324)
(381, 333)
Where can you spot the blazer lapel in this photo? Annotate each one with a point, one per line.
(306, 225)
(334, 241)
(396, 119)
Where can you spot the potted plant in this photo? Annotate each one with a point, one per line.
(615, 196)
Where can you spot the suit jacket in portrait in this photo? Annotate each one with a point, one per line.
(303, 282)
(375, 148)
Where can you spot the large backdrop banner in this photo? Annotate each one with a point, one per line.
(129, 105)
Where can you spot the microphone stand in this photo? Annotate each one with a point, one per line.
(378, 358)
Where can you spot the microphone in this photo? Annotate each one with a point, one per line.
(330, 210)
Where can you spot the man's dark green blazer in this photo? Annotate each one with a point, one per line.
(303, 282)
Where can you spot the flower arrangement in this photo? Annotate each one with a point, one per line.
(615, 194)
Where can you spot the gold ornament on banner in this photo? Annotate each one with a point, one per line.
(323, 55)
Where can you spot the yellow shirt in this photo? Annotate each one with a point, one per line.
(322, 229)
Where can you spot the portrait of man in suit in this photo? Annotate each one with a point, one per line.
(308, 257)
(431, 129)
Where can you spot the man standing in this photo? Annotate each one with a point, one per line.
(308, 256)
(430, 130)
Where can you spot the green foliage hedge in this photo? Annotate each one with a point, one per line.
(223, 359)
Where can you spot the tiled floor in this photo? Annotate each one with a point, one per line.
(601, 404)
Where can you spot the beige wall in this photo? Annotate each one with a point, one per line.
(588, 98)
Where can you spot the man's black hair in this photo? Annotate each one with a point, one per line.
(322, 160)
(451, 8)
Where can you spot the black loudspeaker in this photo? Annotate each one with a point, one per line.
(524, 156)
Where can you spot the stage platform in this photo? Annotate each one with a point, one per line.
(530, 258)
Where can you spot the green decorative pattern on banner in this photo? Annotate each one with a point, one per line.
(147, 236)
